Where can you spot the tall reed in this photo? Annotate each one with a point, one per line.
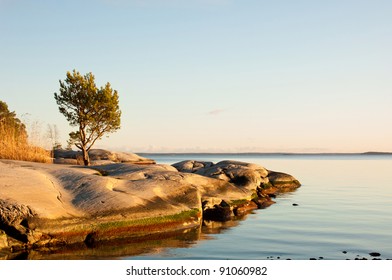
(14, 145)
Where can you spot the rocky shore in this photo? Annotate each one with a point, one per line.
(124, 196)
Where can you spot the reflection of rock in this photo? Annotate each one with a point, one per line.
(215, 227)
(150, 244)
(47, 205)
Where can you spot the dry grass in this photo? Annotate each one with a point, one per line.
(16, 147)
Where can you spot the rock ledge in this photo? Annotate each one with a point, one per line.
(49, 205)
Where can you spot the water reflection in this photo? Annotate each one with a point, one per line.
(151, 245)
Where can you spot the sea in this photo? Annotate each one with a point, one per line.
(343, 210)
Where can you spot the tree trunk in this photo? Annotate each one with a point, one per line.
(86, 158)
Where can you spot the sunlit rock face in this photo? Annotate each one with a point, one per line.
(241, 174)
(52, 204)
(99, 157)
(252, 179)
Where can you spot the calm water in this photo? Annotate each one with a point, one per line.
(344, 204)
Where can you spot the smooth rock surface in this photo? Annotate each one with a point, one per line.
(282, 181)
(244, 175)
(51, 204)
(99, 157)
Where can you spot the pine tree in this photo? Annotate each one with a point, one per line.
(95, 111)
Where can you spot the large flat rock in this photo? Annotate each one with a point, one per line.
(51, 204)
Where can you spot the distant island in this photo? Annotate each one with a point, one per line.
(377, 153)
(265, 153)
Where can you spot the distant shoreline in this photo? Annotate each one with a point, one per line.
(273, 154)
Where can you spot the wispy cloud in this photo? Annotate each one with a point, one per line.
(216, 112)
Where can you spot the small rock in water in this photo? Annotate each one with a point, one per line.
(375, 254)
(312, 259)
(218, 213)
(295, 204)
(344, 252)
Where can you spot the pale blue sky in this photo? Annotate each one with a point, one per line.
(218, 75)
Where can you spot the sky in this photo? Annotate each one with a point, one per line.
(209, 75)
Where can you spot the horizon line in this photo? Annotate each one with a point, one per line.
(266, 153)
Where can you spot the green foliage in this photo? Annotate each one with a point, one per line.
(95, 111)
